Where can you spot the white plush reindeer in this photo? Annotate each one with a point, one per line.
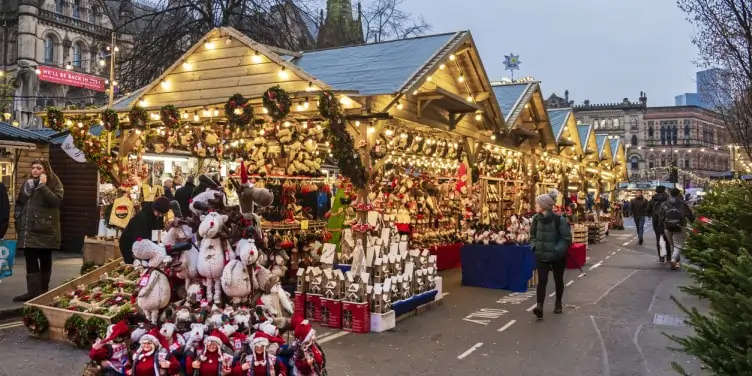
(154, 286)
(213, 253)
(178, 231)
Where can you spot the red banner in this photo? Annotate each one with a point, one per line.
(70, 78)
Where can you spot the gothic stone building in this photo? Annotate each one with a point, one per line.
(692, 137)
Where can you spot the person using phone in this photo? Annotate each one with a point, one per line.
(37, 215)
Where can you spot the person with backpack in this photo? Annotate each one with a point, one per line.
(674, 215)
(550, 238)
(653, 212)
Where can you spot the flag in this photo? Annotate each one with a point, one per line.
(7, 257)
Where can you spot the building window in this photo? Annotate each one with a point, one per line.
(77, 50)
(12, 47)
(686, 129)
(663, 135)
(675, 132)
(95, 15)
(76, 9)
(633, 124)
(59, 6)
(634, 140)
(616, 123)
(49, 50)
(635, 162)
(650, 131)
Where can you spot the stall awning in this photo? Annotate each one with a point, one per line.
(447, 101)
(17, 145)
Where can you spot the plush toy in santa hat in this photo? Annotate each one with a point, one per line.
(212, 361)
(308, 358)
(261, 362)
(111, 353)
(152, 356)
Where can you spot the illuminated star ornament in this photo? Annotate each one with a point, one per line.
(512, 62)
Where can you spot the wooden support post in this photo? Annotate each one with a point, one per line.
(455, 119)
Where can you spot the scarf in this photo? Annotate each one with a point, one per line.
(30, 186)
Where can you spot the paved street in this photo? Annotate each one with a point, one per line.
(607, 328)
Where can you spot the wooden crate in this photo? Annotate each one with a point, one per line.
(99, 250)
(57, 316)
(579, 234)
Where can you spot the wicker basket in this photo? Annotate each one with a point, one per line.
(99, 250)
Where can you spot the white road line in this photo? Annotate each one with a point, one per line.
(333, 337)
(532, 307)
(613, 253)
(581, 275)
(323, 335)
(608, 257)
(627, 243)
(507, 325)
(614, 286)
(552, 294)
(470, 350)
(599, 263)
(569, 283)
(606, 364)
(11, 325)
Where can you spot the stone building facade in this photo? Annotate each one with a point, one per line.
(692, 137)
(65, 43)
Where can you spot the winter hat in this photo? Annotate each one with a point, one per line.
(161, 205)
(260, 339)
(115, 331)
(548, 200)
(156, 338)
(218, 337)
(304, 331)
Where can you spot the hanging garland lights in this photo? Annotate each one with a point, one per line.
(277, 102)
(238, 111)
(343, 146)
(170, 116)
(110, 120)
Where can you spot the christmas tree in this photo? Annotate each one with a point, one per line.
(718, 251)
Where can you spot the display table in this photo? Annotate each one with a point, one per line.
(447, 256)
(577, 256)
(504, 267)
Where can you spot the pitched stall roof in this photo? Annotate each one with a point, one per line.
(372, 69)
(558, 119)
(585, 132)
(616, 146)
(11, 133)
(604, 146)
(510, 96)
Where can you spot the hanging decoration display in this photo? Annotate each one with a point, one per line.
(110, 120)
(238, 111)
(343, 146)
(76, 331)
(55, 119)
(277, 102)
(35, 320)
(137, 117)
(170, 116)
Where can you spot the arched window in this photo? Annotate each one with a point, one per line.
(77, 53)
(13, 47)
(634, 162)
(49, 50)
(651, 161)
(634, 140)
(59, 6)
(603, 124)
(95, 15)
(616, 123)
(76, 11)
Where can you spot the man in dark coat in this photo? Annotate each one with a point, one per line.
(653, 211)
(183, 195)
(141, 225)
(639, 208)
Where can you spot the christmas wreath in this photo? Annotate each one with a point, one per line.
(35, 320)
(96, 328)
(238, 111)
(137, 117)
(55, 119)
(170, 116)
(277, 102)
(328, 104)
(76, 331)
(110, 120)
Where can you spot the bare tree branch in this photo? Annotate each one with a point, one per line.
(384, 20)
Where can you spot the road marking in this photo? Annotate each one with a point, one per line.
(552, 294)
(323, 335)
(11, 325)
(569, 283)
(507, 325)
(587, 258)
(615, 286)
(485, 313)
(608, 257)
(470, 350)
(627, 243)
(333, 337)
(606, 364)
(532, 308)
(613, 253)
(581, 275)
(598, 264)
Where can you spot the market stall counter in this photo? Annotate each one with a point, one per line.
(447, 255)
(504, 267)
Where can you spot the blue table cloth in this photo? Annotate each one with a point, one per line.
(504, 267)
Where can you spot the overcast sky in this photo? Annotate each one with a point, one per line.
(602, 50)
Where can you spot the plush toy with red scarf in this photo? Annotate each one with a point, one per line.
(152, 357)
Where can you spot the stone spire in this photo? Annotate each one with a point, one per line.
(340, 28)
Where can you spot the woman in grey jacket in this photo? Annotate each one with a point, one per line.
(550, 237)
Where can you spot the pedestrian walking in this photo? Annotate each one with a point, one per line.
(674, 215)
(654, 206)
(639, 210)
(550, 237)
(37, 215)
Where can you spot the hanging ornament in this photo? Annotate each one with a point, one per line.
(137, 117)
(277, 102)
(55, 119)
(238, 111)
(170, 116)
(110, 120)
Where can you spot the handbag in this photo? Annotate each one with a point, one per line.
(7, 257)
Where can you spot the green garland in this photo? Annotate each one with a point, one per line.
(238, 102)
(75, 330)
(137, 117)
(328, 104)
(96, 328)
(170, 116)
(110, 120)
(344, 151)
(277, 102)
(35, 320)
(55, 119)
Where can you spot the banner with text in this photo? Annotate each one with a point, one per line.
(70, 78)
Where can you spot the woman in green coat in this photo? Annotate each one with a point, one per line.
(37, 215)
(550, 237)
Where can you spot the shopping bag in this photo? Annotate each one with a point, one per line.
(663, 250)
(7, 257)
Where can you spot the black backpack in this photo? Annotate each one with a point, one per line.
(673, 217)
